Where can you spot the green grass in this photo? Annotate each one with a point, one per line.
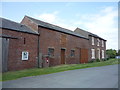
(41, 71)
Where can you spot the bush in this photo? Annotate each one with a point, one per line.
(91, 61)
(104, 59)
(97, 60)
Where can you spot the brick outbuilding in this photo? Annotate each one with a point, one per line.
(63, 46)
(18, 39)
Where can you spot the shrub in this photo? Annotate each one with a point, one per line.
(97, 60)
(91, 61)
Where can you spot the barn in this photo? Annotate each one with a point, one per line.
(35, 43)
(59, 45)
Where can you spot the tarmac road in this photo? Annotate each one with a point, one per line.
(96, 77)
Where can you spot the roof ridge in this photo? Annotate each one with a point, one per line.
(48, 23)
(11, 21)
(12, 25)
(54, 27)
(86, 31)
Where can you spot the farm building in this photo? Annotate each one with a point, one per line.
(34, 43)
(97, 45)
(17, 39)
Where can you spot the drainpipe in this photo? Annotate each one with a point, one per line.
(38, 49)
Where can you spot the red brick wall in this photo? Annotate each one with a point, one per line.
(50, 38)
(29, 23)
(16, 46)
(95, 47)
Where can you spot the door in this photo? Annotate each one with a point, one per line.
(98, 53)
(83, 55)
(5, 46)
(62, 56)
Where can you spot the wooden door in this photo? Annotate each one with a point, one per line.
(5, 45)
(62, 56)
(98, 53)
(83, 55)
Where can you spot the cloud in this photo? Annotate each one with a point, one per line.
(104, 24)
(48, 17)
(54, 18)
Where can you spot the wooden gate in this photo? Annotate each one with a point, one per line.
(62, 56)
(5, 46)
(83, 55)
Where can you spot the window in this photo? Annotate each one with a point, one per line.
(51, 52)
(72, 53)
(102, 53)
(24, 40)
(102, 43)
(98, 42)
(92, 40)
(93, 53)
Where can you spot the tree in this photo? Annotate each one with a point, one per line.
(118, 53)
(111, 53)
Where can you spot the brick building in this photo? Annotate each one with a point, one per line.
(17, 39)
(97, 45)
(62, 45)
(34, 43)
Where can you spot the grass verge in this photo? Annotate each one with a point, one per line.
(41, 71)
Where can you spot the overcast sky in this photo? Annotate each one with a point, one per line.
(96, 17)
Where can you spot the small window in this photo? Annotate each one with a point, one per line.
(72, 53)
(92, 40)
(98, 42)
(51, 52)
(24, 40)
(102, 43)
(93, 53)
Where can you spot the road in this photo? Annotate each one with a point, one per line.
(96, 77)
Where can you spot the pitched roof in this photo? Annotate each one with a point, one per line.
(55, 27)
(91, 34)
(7, 36)
(8, 24)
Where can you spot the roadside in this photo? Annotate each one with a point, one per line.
(94, 77)
(41, 71)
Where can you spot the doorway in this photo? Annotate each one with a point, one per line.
(83, 55)
(62, 56)
(5, 46)
(98, 53)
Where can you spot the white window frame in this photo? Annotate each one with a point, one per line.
(93, 43)
(103, 54)
(25, 57)
(98, 42)
(93, 53)
(102, 43)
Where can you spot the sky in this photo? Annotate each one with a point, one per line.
(100, 18)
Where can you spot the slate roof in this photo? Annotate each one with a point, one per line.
(55, 27)
(7, 36)
(11, 25)
(91, 34)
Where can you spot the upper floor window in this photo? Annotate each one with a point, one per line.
(24, 40)
(51, 52)
(102, 43)
(98, 42)
(72, 53)
(93, 53)
(92, 40)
